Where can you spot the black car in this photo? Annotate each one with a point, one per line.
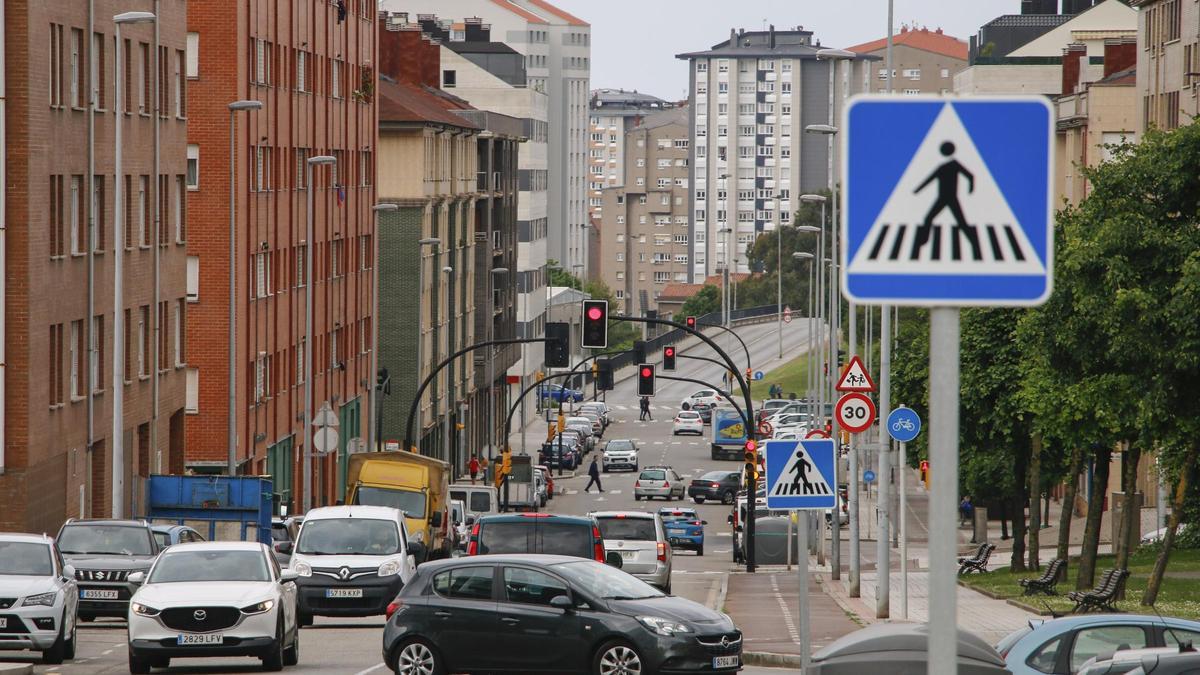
(716, 485)
(537, 533)
(705, 410)
(544, 613)
(104, 553)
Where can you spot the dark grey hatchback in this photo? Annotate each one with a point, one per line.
(553, 614)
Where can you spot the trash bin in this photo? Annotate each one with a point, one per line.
(771, 541)
(904, 648)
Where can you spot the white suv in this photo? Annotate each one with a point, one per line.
(38, 597)
(706, 396)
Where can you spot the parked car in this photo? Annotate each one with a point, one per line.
(1157, 535)
(585, 428)
(224, 598)
(458, 521)
(793, 420)
(688, 421)
(705, 410)
(601, 408)
(104, 553)
(283, 538)
(549, 479)
(720, 486)
(537, 533)
(640, 539)
(597, 421)
(552, 614)
(620, 452)
(1183, 660)
(554, 454)
(658, 481)
(1063, 645)
(769, 406)
(684, 528)
(705, 396)
(557, 392)
(900, 648)
(169, 535)
(41, 597)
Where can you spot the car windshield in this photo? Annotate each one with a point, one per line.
(25, 559)
(714, 476)
(104, 539)
(653, 474)
(604, 581)
(533, 535)
(163, 538)
(411, 503)
(349, 536)
(688, 415)
(628, 529)
(619, 446)
(208, 565)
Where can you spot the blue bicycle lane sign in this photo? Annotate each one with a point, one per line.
(903, 424)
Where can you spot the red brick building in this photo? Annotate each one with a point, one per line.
(57, 369)
(311, 64)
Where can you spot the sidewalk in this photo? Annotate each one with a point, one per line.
(766, 607)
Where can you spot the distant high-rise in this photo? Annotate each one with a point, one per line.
(1077, 6)
(1040, 6)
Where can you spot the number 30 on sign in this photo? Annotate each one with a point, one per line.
(855, 412)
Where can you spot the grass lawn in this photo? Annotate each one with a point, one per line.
(1179, 595)
(792, 375)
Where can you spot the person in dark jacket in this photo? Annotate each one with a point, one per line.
(645, 406)
(594, 477)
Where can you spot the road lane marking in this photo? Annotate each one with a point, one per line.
(372, 669)
(787, 612)
(615, 492)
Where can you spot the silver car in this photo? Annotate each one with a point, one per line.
(658, 481)
(599, 408)
(641, 541)
(620, 452)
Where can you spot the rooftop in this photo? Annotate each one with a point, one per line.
(408, 103)
(795, 43)
(934, 41)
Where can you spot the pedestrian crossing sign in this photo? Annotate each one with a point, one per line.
(948, 200)
(800, 474)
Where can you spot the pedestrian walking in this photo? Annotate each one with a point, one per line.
(965, 510)
(594, 477)
(473, 467)
(645, 410)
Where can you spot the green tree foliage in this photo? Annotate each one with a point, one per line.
(705, 301)
(557, 276)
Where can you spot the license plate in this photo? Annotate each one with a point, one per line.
(97, 594)
(725, 662)
(200, 639)
(343, 593)
(628, 555)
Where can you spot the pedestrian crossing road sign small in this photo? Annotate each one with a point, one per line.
(800, 474)
(948, 201)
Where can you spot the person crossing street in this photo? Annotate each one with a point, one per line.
(594, 477)
(645, 407)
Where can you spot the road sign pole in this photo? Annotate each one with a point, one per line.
(943, 498)
(903, 468)
(835, 310)
(854, 589)
(883, 565)
(802, 564)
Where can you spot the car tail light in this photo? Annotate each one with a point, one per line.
(621, 516)
(666, 483)
(697, 522)
(393, 606)
(676, 419)
(473, 545)
(662, 552)
(637, 483)
(536, 515)
(598, 547)
(677, 513)
(716, 485)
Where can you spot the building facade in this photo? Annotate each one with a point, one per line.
(72, 352)
(1168, 62)
(312, 69)
(613, 113)
(644, 228)
(751, 98)
(557, 50)
(923, 61)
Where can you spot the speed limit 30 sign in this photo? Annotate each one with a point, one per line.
(855, 412)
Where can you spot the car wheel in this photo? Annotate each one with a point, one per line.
(138, 665)
(727, 497)
(291, 655)
(69, 652)
(686, 406)
(617, 658)
(698, 499)
(637, 498)
(700, 550)
(417, 657)
(58, 650)
(273, 660)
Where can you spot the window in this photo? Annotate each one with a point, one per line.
(78, 351)
(945, 72)
(192, 68)
(193, 166)
(144, 77)
(1174, 636)
(178, 332)
(262, 62)
(179, 210)
(56, 367)
(262, 168)
(56, 65)
(300, 361)
(98, 208)
(262, 273)
(143, 214)
(702, 66)
(912, 73)
(97, 353)
(526, 586)
(193, 278)
(57, 226)
(78, 217)
(466, 583)
(722, 87)
(449, 78)
(262, 373)
(785, 88)
(1091, 641)
(143, 355)
(335, 80)
(335, 258)
(301, 265)
(191, 404)
(180, 90)
(912, 92)
(77, 85)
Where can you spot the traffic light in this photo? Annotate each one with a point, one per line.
(558, 337)
(751, 462)
(690, 322)
(595, 324)
(749, 375)
(645, 379)
(639, 351)
(669, 358)
(604, 375)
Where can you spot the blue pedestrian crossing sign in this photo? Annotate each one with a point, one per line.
(948, 201)
(800, 474)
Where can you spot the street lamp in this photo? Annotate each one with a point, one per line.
(375, 428)
(234, 109)
(309, 243)
(421, 244)
(437, 359)
(118, 374)
(723, 227)
(491, 432)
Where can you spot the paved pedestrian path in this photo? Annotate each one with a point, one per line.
(766, 607)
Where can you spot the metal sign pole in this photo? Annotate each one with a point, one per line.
(902, 470)
(943, 498)
(802, 565)
(853, 588)
(883, 565)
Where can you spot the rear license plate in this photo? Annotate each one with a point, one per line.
(200, 639)
(628, 555)
(97, 594)
(343, 593)
(725, 662)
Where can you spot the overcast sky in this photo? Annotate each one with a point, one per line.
(634, 42)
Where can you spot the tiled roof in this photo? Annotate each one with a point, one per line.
(924, 39)
(679, 291)
(565, 16)
(409, 103)
(519, 11)
(1017, 20)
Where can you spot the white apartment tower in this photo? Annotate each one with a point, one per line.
(614, 112)
(751, 98)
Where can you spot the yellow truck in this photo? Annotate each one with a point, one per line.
(417, 485)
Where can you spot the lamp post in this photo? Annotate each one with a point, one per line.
(118, 374)
(779, 271)
(373, 427)
(437, 358)
(492, 435)
(421, 244)
(808, 394)
(234, 109)
(723, 227)
(820, 280)
(309, 243)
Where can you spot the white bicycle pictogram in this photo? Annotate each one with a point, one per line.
(903, 425)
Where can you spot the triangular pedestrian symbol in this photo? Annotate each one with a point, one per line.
(801, 477)
(855, 377)
(947, 216)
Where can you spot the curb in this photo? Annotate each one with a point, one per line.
(722, 593)
(843, 602)
(771, 660)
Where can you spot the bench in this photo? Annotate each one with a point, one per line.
(977, 562)
(1102, 597)
(1047, 582)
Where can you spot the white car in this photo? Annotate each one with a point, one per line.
(620, 452)
(38, 597)
(689, 422)
(216, 598)
(708, 396)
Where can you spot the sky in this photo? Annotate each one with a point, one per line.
(634, 42)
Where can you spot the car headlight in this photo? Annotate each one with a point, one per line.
(259, 608)
(142, 610)
(43, 599)
(662, 626)
(301, 568)
(389, 568)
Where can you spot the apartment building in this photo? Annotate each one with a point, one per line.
(613, 113)
(923, 61)
(557, 49)
(310, 64)
(73, 353)
(1168, 62)
(645, 225)
(751, 98)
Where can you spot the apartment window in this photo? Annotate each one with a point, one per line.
(449, 78)
(262, 274)
(143, 356)
(912, 92)
(300, 361)
(786, 65)
(178, 332)
(337, 66)
(127, 102)
(179, 210)
(191, 403)
(193, 278)
(301, 267)
(97, 353)
(78, 217)
(662, 277)
(334, 353)
(98, 72)
(620, 257)
(945, 73)
(335, 257)
(78, 351)
(193, 166)
(701, 87)
(301, 70)
(262, 62)
(76, 81)
(722, 131)
(56, 65)
(723, 66)
(641, 162)
(180, 92)
(98, 209)
(641, 181)
(57, 217)
(144, 211)
(56, 365)
(702, 66)
(192, 63)
(746, 151)
(163, 337)
(144, 76)
(262, 367)
(722, 87)
(912, 73)
(785, 88)
(262, 168)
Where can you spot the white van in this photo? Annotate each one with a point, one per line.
(480, 500)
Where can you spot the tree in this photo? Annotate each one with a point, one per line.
(557, 276)
(706, 301)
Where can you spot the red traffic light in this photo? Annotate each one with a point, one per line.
(670, 351)
(646, 372)
(691, 322)
(751, 445)
(594, 313)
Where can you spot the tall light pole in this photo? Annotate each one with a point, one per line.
(449, 412)
(723, 193)
(118, 375)
(809, 229)
(309, 244)
(818, 409)
(234, 109)
(492, 436)
(421, 244)
(779, 270)
(372, 431)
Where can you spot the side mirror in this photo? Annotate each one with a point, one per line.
(136, 578)
(738, 528)
(284, 547)
(614, 559)
(68, 571)
(288, 575)
(436, 519)
(704, 522)
(562, 602)
(416, 549)
(729, 519)
(471, 520)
